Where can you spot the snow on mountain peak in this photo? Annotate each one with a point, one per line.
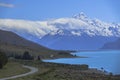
(81, 15)
(77, 25)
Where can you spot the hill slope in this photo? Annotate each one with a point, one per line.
(11, 43)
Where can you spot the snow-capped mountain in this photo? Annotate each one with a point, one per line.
(65, 33)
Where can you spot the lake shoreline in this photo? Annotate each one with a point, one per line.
(93, 50)
(57, 71)
(95, 59)
(65, 58)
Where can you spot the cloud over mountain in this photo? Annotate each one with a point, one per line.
(35, 28)
(77, 25)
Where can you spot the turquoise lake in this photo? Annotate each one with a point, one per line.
(108, 60)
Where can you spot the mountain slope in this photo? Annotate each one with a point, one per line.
(13, 44)
(83, 42)
(11, 38)
(61, 33)
(112, 45)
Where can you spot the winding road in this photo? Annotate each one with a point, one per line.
(33, 70)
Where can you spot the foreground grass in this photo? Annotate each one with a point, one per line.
(11, 69)
(51, 71)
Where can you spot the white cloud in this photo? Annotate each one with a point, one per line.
(7, 5)
(25, 27)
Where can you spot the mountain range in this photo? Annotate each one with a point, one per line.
(76, 33)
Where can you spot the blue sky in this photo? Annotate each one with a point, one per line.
(106, 10)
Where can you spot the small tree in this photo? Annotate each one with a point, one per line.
(3, 59)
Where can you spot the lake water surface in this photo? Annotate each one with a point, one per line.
(108, 60)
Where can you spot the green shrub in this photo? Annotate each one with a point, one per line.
(3, 59)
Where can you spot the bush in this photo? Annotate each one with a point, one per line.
(27, 56)
(38, 58)
(24, 56)
(3, 59)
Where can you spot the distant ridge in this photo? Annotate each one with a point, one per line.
(112, 45)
